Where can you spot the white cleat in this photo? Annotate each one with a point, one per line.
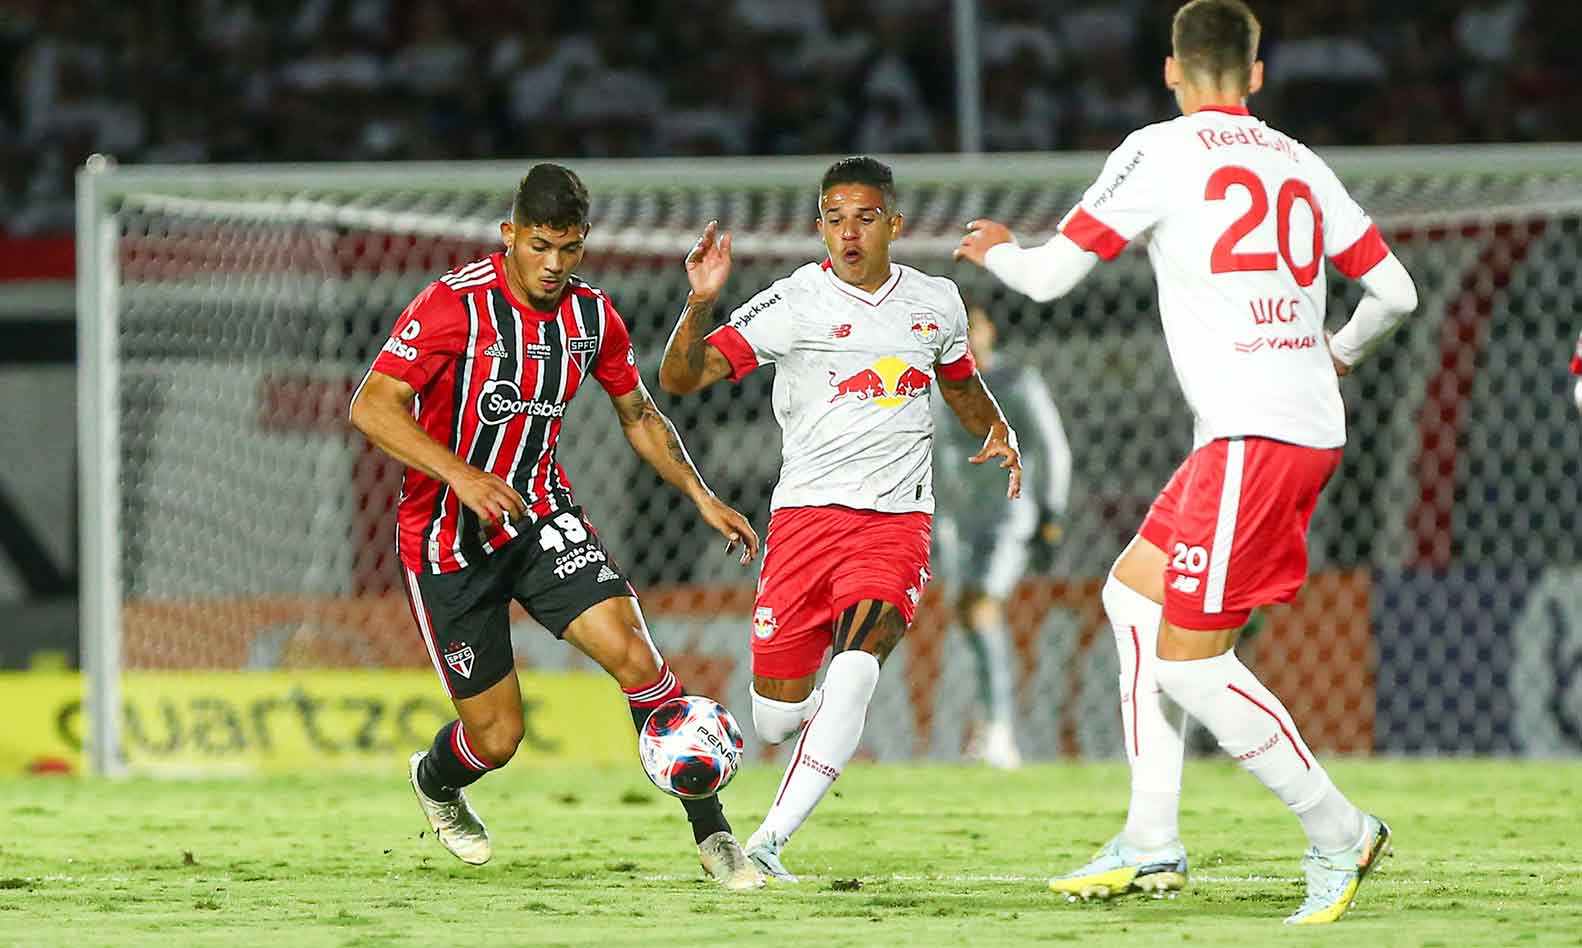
(1119, 868)
(454, 823)
(725, 862)
(763, 848)
(999, 747)
(1332, 879)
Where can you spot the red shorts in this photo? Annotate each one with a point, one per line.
(820, 560)
(1233, 522)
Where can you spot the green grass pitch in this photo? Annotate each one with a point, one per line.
(941, 855)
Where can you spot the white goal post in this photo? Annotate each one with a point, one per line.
(221, 308)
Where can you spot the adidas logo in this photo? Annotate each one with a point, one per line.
(606, 574)
(497, 350)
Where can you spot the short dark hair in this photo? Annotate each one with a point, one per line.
(551, 195)
(861, 169)
(1216, 40)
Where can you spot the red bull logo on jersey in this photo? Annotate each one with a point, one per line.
(889, 383)
(925, 328)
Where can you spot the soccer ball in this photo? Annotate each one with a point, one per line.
(690, 747)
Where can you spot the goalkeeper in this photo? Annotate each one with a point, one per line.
(984, 542)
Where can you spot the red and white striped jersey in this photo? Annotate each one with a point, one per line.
(493, 378)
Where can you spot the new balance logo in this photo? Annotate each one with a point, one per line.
(841, 331)
(606, 574)
(497, 351)
(1186, 584)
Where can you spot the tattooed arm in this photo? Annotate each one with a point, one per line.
(654, 439)
(690, 363)
(980, 414)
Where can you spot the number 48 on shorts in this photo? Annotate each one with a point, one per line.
(563, 536)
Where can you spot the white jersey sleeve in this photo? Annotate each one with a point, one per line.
(761, 331)
(953, 347)
(1351, 241)
(1129, 196)
(767, 329)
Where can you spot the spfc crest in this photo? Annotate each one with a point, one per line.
(581, 349)
(460, 659)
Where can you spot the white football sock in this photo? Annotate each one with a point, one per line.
(827, 743)
(992, 648)
(1253, 726)
(1155, 728)
(774, 721)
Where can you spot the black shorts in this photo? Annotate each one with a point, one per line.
(557, 568)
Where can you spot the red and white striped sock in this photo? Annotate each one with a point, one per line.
(1253, 726)
(451, 764)
(645, 698)
(707, 815)
(827, 743)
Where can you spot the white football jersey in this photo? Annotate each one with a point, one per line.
(1238, 218)
(853, 373)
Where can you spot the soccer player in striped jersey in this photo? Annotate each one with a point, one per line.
(469, 393)
(1238, 219)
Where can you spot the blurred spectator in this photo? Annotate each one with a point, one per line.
(328, 80)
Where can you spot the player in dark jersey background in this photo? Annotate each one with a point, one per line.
(469, 393)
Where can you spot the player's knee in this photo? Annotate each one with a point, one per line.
(774, 721)
(1121, 598)
(636, 665)
(497, 742)
(850, 682)
(1141, 570)
(1113, 594)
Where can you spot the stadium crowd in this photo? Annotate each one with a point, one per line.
(324, 80)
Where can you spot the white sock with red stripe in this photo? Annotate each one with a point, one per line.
(827, 743)
(1155, 730)
(1253, 726)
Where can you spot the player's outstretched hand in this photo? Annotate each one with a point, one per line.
(732, 525)
(709, 262)
(492, 499)
(981, 235)
(1001, 443)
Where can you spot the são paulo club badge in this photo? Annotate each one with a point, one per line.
(459, 658)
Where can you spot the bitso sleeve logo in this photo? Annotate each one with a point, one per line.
(397, 345)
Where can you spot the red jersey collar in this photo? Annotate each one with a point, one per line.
(1227, 109)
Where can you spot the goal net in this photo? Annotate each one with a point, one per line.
(233, 523)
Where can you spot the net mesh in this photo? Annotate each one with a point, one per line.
(257, 529)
